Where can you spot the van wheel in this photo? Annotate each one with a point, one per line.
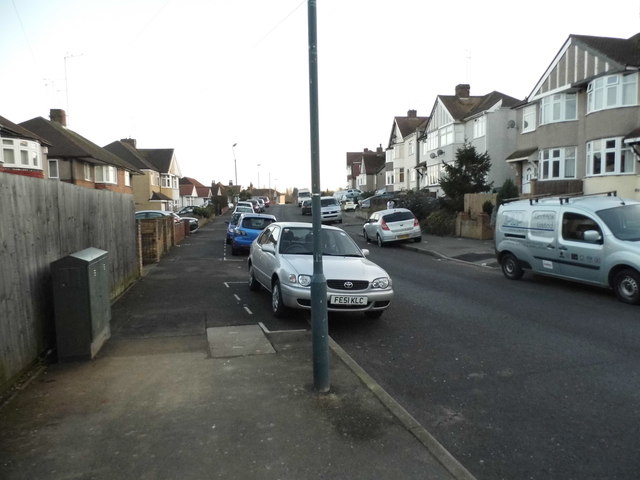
(626, 284)
(511, 268)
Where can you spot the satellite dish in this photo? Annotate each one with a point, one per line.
(511, 124)
(433, 155)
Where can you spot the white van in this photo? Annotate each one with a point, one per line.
(303, 194)
(593, 239)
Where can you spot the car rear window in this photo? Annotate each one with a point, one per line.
(257, 223)
(398, 217)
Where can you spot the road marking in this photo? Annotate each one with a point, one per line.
(237, 297)
(227, 284)
(248, 311)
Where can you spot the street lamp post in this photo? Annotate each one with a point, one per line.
(235, 168)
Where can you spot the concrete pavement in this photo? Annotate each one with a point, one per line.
(200, 397)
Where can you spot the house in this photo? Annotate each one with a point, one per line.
(579, 129)
(23, 152)
(192, 192)
(402, 155)
(157, 188)
(353, 167)
(74, 159)
(372, 170)
(484, 121)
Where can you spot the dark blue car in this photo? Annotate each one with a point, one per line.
(249, 226)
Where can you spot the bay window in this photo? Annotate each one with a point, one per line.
(529, 119)
(479, 127)
(21, 153)
(609, 156)
(612, 91)
(446, 135)
(106, 174)
(557, 163)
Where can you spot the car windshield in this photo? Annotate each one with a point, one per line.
(257, 223)
(398, 217)
(328, 202)
(623, 221)
(299, 241)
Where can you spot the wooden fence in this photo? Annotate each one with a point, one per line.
(42, 221)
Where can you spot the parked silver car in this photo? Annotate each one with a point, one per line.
(393, 225)
(281, 261)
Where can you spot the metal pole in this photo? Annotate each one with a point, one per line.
(319, 319)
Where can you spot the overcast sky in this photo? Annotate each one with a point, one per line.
(201, 75)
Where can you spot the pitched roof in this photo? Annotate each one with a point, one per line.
(68, 144)
(160, 157)
(373, 162)
(128, 153)
(191, 181)
(408, 125)
(461, 108)
(625, 51)
(10, 128)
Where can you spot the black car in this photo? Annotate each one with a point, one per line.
(306, 207)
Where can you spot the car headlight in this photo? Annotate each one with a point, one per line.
(382, 282)
(240, 233)
(304, 280)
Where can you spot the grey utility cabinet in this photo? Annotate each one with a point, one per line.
(81, 304)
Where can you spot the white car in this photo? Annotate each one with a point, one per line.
(330, 210)
(349, 205)
(393, 225)
(281, 261)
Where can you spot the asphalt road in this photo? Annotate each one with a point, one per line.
(536, 379)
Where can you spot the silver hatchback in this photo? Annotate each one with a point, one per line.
(393, 225)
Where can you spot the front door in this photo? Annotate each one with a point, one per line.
(579, 259)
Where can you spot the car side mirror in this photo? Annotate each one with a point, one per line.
(592, 236)
(365, 252)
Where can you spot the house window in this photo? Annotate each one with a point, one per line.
(53, 169)
(529, 119)
(389, 178)
(433, 174)
(560, 107)
(411, 148)
(432, 141)
(609, 156)
(127, 178)
(106, 174)
(446, 135)
(400, 175)
(87, 171)
(479, 127)
(165, 181)
(558, 163)
(612, 91)
(21, 153)
(397, 150)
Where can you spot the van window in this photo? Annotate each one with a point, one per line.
(623, 221)
(543, 224)
(574, 225)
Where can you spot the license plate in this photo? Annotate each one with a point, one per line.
(347, 300)
(402, 237)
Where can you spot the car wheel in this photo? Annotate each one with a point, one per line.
(277, 306)
(253, 283)
(626, 284)
(373, 313)
(379, 240)
(366, 237)
(417, 239)
(510, 267)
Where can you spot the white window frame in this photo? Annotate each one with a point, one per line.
(86, 168)
(127, 178)
(480, 127)
(54, 170)
(432, 141)
(389, 177)
(446, 135)
(558, 107)
(529, 119)
(557, 163)
(106, 174)
(612, 91)
(610, 156)
(25, 154)
(165, 180)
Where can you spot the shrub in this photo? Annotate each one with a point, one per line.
(487, 207)
(422, 204)
(441, 222)
(508, 190)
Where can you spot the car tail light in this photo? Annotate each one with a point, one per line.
(384, 225)
(416, 223)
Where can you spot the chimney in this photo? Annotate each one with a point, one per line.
(379, 149)
(462, 90)
(58, 115)
(366, 149)
(130, 141)
(412, 113)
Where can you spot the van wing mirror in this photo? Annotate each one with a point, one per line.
(592, 236)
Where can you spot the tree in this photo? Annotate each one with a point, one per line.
(467, 174)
